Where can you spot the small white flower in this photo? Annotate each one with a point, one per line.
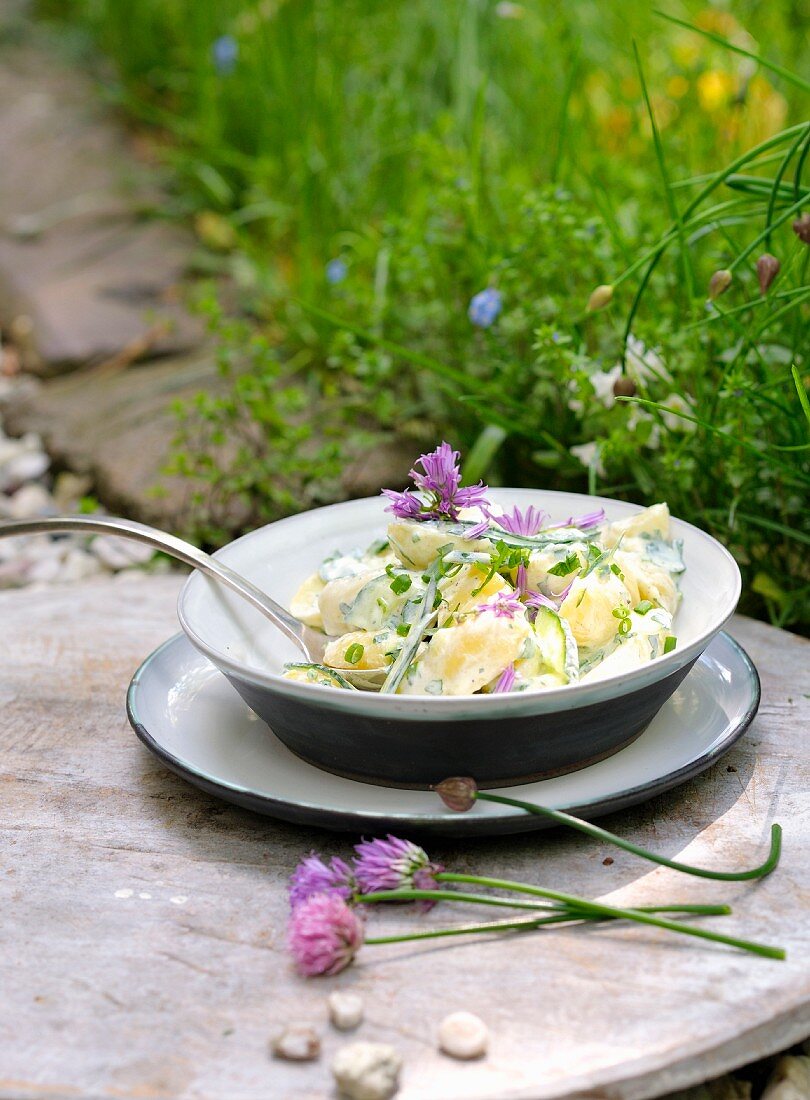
(673, 422)
(507, 10)
(590, 455)
(603, 382)
(644, 363)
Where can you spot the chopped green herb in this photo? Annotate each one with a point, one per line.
(563, 568)
(670, 643)
(378, 547)
(643, 607)
(403, 629)
(401, 584)
(623, 615)
(354, 653)
(616, 571)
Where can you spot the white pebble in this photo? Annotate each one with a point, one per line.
(23, 468)
(297, 1043)
(463, 1035)
(120, 553)
(77, 565)
(345, 1010)
(30, 501)
(367, 1071)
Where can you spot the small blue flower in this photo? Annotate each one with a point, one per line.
(225, 53)
(336, 271)
(484, 307)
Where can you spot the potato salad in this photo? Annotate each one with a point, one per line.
(459, 599)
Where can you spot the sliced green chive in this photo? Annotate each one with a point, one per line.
(563, 568)
(400, 584)
(404, 629)
(616, 571)
(670, 643)
(354, 653)
(643, 607)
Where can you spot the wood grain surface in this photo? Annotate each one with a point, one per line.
(142, 922)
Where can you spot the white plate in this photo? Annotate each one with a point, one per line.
(189, 716)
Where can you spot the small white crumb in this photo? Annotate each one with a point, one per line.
(144, 895)
(124, 893)
(345, 1010)
(178, 899)
(296, 1043)
(367, 1071)
(463, 1035)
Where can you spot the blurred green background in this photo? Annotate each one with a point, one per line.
(357, 172)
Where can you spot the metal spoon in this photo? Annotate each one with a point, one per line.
(311, 642)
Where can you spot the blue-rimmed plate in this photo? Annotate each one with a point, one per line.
(189, 716)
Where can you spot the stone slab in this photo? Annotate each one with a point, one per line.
(142, 922)
(82, 275)
(117, 427)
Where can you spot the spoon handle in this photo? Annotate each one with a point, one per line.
(169, 544)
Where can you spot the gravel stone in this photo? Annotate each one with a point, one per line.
(120, 553)
(345, 1010)
(30, 501)
(463, 1035)
(367, 1071)
(296, 1043)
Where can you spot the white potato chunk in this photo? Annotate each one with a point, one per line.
(457, 591)
(417, 544)
(653, 521)
(632, 652)
(310, 675)
(461, 659)
(537, 571)
(646, 580)
(375, 647)
(304, 604)
(589, 606)
(336, 597)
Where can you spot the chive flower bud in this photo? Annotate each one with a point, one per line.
(457, 793)
(801, 227)
(624, 386)
(767, 269)
(601, 297)
(719, 283)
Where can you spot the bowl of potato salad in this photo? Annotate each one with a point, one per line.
(505, 634)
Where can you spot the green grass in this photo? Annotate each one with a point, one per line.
(439, 148)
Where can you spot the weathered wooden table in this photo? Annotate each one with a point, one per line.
(142, 923)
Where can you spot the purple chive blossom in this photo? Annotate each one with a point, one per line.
(484, 307)
(336, 271)
(478, 530)
(313, 876)
(439, 470)
(503, 606)
(393, 864)
(537, 599)
(590, 519)
(225, 54)
(439, 483)
(506, 681)
(405, 505)
(324, 935)
(518, 523)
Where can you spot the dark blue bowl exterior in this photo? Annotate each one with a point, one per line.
(496, 752)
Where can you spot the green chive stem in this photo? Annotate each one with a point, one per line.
(610, 838)
(614, 911)
(489, 899)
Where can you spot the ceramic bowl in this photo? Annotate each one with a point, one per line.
(416, 741)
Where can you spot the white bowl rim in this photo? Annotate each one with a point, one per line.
(569, 696)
